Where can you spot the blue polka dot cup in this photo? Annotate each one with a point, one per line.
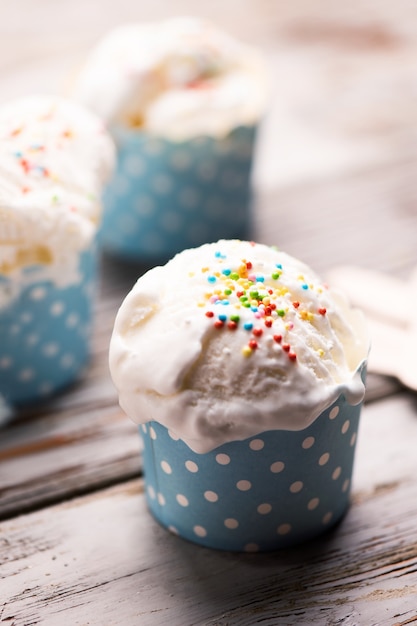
(44, 334)
(274, 490)
(166, 195)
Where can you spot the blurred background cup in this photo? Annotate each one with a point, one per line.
(45, 332)
(167, 196)
(55, 157)
(183, 101)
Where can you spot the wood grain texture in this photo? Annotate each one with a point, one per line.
(101, 559)
(335, 183)
(368, 218)
(64, 455)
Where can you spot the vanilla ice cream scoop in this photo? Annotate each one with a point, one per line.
(54, 159)
(232, 339)
(178, 78)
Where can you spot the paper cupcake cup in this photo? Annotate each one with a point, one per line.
(166, 196)
(44, 335)
(273, 490)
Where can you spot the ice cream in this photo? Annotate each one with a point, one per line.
(183, 101)
(54, 159)
(178, 78)
(233, 339)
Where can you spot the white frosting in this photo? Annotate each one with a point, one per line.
(170, 363)
(178, 78)
(54, 158)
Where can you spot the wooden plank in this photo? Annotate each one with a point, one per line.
(90, 407)
(366, 219)
(102, 559)
(58, 456)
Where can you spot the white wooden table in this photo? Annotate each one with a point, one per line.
(336, 182)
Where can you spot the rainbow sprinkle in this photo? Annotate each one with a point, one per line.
(258, 302)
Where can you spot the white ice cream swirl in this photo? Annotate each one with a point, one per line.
(54, 159)
(177, 78)
(232, 339)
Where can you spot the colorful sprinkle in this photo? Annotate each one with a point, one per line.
(260, 299)
(306, 315)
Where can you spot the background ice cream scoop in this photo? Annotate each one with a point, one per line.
(178, 78)
(232, 339)
(54, 158)
(183, 101)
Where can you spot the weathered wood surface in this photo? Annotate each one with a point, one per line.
(335, 183)
(84, 427)
(101, 559)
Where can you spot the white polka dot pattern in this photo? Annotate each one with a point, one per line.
(251, 547)
(222, 459)
(200, 531)
(265, 508)
(296, 486)
(256, 444)
(211, 496)
(308, 442)
(270, 491)
(277, 467)
(243, 485)
(166, 467)
(191, 466)
(50, 345)
(324, 458)
(158, 185)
